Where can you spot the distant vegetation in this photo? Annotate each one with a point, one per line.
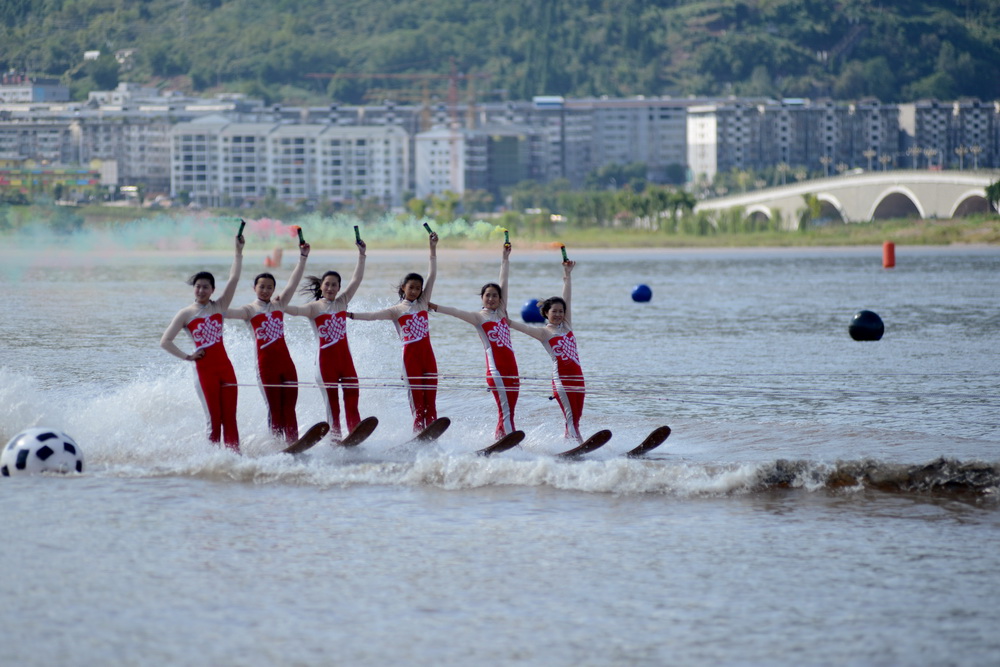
(893, 50)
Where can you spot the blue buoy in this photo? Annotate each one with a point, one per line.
(866, 325)
(642, 293)
(530, 312)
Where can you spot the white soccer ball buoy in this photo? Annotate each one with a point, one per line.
(36, 450)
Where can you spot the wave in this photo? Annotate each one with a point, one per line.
(452, 471)
(943, 475)
(150, 427)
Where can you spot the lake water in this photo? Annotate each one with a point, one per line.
(820, 500)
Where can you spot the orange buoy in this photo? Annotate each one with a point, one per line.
(888, 255)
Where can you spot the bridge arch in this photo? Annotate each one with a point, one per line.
(896, 202)
(759, 214)
(830, 208)
(970, 203)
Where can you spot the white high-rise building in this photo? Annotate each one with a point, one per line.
(439, 161)
(218, 162)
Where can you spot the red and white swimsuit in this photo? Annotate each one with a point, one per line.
(336, 365)
(419, 363)
(567, 374)
(215, 380)
(567, 377)
(501, 364)
(275, 370)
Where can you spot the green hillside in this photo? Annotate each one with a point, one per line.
(895, 50)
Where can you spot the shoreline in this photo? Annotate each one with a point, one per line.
(68, 257)
(192, 234)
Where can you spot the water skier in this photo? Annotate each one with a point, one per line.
(494, 333)
(335, 366)
(275, 369)
(413, 327)
(215, 378)
(558, 340)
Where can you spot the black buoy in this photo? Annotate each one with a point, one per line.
(866, 325)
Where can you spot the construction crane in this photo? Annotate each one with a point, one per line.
(453, 77)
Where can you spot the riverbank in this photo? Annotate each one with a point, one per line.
(324, 232)
(979, 230)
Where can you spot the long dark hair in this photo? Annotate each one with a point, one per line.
(312, 284)
(202, 275)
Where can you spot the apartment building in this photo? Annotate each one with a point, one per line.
(19, 88)
(43, 141)
(136, 140)
(218, 162)
(873, 137)
(233, 150)
(363, 162)
(964, 133)
(572, 137)
(440, 156)
(975, 126)
(822, 136)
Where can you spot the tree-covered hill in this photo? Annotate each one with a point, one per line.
(894, 50)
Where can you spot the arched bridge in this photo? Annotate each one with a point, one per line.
(861, 197)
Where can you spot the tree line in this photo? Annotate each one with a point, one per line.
(893, 50)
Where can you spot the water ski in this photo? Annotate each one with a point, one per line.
(360, 432)
(595, 441)
(510, 440)
(310, 438)
(432, 432)
(652, 441)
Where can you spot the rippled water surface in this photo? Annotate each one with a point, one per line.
(820, 500)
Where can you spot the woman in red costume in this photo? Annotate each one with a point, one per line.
(275, 370)
(557, 338)
(413, 327)
(327, 313)
(215, 379)
(494, 333)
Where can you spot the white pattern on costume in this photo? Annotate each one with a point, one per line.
(500, 334)
(207, 334)
(270, 330)
(417, 328)
(565, 349)
(333, 330)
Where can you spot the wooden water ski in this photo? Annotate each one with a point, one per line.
(310, 438)
(432, 432)
(652, 441)
(595, 441)
(510, 440)
(360, 432)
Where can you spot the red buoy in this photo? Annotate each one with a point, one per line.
(888, 255)
(274, 261)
